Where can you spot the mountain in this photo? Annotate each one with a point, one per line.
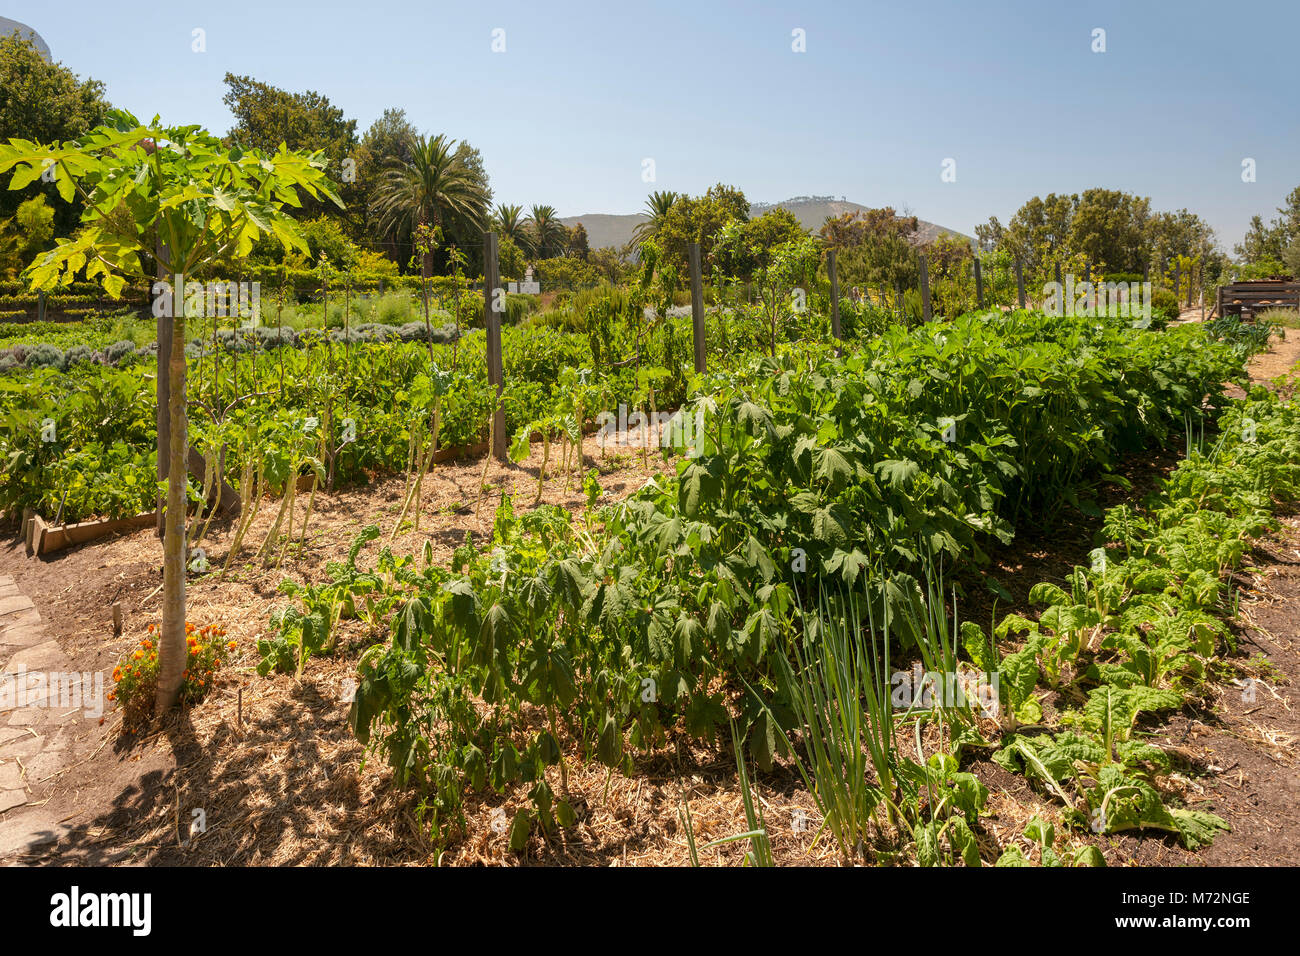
(8, 26)
(604, 229)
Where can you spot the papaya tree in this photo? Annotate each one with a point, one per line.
(179, 200)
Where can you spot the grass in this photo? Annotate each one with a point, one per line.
(1287, 318)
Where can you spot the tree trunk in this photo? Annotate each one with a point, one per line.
(164, 337)
(172, 653)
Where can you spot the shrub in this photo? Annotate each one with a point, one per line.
(81, 354)
(114, 353)
(45, 356)
(1164, 305)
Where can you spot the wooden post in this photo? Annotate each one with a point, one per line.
(697, 307)
(835, 295)
(117, 618)
(1178, 280)
(40, 307)
(926, 314)
(979, 285)
(492, 321)
(1020, 283)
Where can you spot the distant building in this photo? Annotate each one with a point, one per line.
(8, 26)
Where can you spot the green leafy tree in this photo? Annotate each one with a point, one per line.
(22, 237)
(43, 102)
(1039, 233)
(699, 219)
(1109, 228)
(387, 143)
(578, 246)
(176, 195)
(266, 116)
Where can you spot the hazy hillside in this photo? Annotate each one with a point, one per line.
(604, 229)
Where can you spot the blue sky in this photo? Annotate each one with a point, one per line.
(584, 92)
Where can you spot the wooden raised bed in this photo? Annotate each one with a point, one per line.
(42, 538)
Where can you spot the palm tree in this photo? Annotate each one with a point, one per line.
(432, 188)
(547, 232)
(509, 221)
(657, 205)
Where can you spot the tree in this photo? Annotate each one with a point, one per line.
(176, 195)
(578, 246)
(435, 188)
(865, 225)
(699, 219)
(43, 103)
(750, 244)
(266, 116)
(990, 234)
(1039, 233)
(608, 262)
(1109, 228)
(509, 223)
(546, 233)
(26, 234)
(387, 143)
(657, 205)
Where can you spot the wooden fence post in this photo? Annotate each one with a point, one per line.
(1020, 283)
(492, 320)
(831, 270)
(979, 285)
(926, 314)
(697, 307)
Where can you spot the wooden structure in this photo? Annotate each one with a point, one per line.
(1247, 298)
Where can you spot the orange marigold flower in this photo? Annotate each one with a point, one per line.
(138, 655)
(231, 645)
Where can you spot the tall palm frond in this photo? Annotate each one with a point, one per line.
(509, 221)
(657, 205)
(549, 236)
(432, 188)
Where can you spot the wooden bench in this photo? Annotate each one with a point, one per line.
(1247, 298)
